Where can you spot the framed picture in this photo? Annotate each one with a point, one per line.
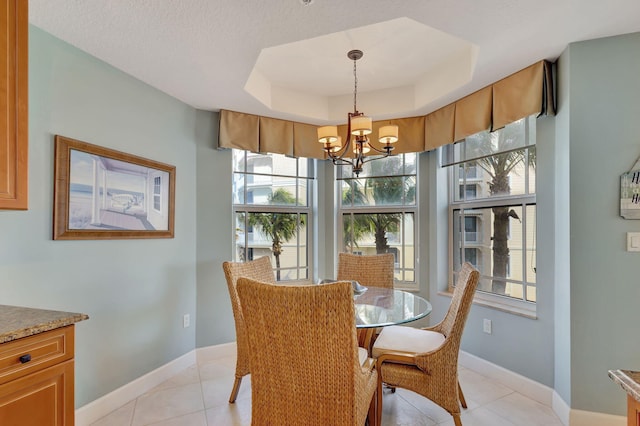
(630, 194)
(100, 193)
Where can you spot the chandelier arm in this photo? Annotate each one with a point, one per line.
(384, 150)
(341, 162)
(369, 159)
(339, 155)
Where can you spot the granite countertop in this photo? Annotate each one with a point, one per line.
(629, 380)
(17, 322)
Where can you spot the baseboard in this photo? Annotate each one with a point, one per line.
(211, 353)
(561, 408)
(590, 418)
(527, 387)
(102, 406)
(539, 392)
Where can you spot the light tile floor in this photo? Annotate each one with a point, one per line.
(198, 396)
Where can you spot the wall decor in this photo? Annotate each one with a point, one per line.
(100, 193)
(630, 193)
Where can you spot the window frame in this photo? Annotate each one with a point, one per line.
(306, 209)
(456, 180)
(404, 209)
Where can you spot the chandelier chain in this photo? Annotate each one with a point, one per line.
(355, 86)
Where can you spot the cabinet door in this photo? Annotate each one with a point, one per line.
(14, 75)
(44, 398)
(633, 411)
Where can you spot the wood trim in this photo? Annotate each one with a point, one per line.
(633, 411)
(14, 76)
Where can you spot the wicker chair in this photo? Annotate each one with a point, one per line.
(426, 360)
(370, 271)
(259, 269)
(305, 366)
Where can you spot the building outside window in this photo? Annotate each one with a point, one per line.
(377, 212)
(494, 226)
(272, 210)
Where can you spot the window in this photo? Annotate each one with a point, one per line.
(468, 191)
(494, 226)
(377, 212)
(157, 191)
(271, 202)
(471, 256)
(471, 228)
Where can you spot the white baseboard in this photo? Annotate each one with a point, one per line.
(590, 418)
(561, 408)
(524, 385)
(539, 392)
(211, 353)
(102, 406)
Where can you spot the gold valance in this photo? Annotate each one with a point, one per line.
(524, 93)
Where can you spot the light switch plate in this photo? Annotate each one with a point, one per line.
(633, 241)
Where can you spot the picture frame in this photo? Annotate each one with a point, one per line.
(101, 193)
(630, 193)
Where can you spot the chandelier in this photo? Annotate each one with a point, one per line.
(358, 130)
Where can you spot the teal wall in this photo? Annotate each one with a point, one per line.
(603, 85)
(215, 234)
(561, 231)
(135, 291)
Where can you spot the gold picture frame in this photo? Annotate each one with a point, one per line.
(100, 193)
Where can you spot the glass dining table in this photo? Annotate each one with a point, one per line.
(379, 307)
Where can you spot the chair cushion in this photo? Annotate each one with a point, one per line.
(396, 338)
(363, 354)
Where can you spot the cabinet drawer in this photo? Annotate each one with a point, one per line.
(42, 350)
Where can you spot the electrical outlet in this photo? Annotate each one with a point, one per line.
(486, 326)
(186, 320)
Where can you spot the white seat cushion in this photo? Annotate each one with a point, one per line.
(409, 340)
(363, 354)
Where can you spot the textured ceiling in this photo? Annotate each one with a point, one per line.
(204, 52)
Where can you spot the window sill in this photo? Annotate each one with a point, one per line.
(523, 309)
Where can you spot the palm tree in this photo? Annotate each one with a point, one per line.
(279, 227)
(384, 187)
(498, 167)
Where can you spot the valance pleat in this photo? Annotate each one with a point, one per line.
(276, 136)
(524, 93)
(239, 131)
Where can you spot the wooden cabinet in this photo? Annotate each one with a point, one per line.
(14, 75)
(37, 380)
(633, 411)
